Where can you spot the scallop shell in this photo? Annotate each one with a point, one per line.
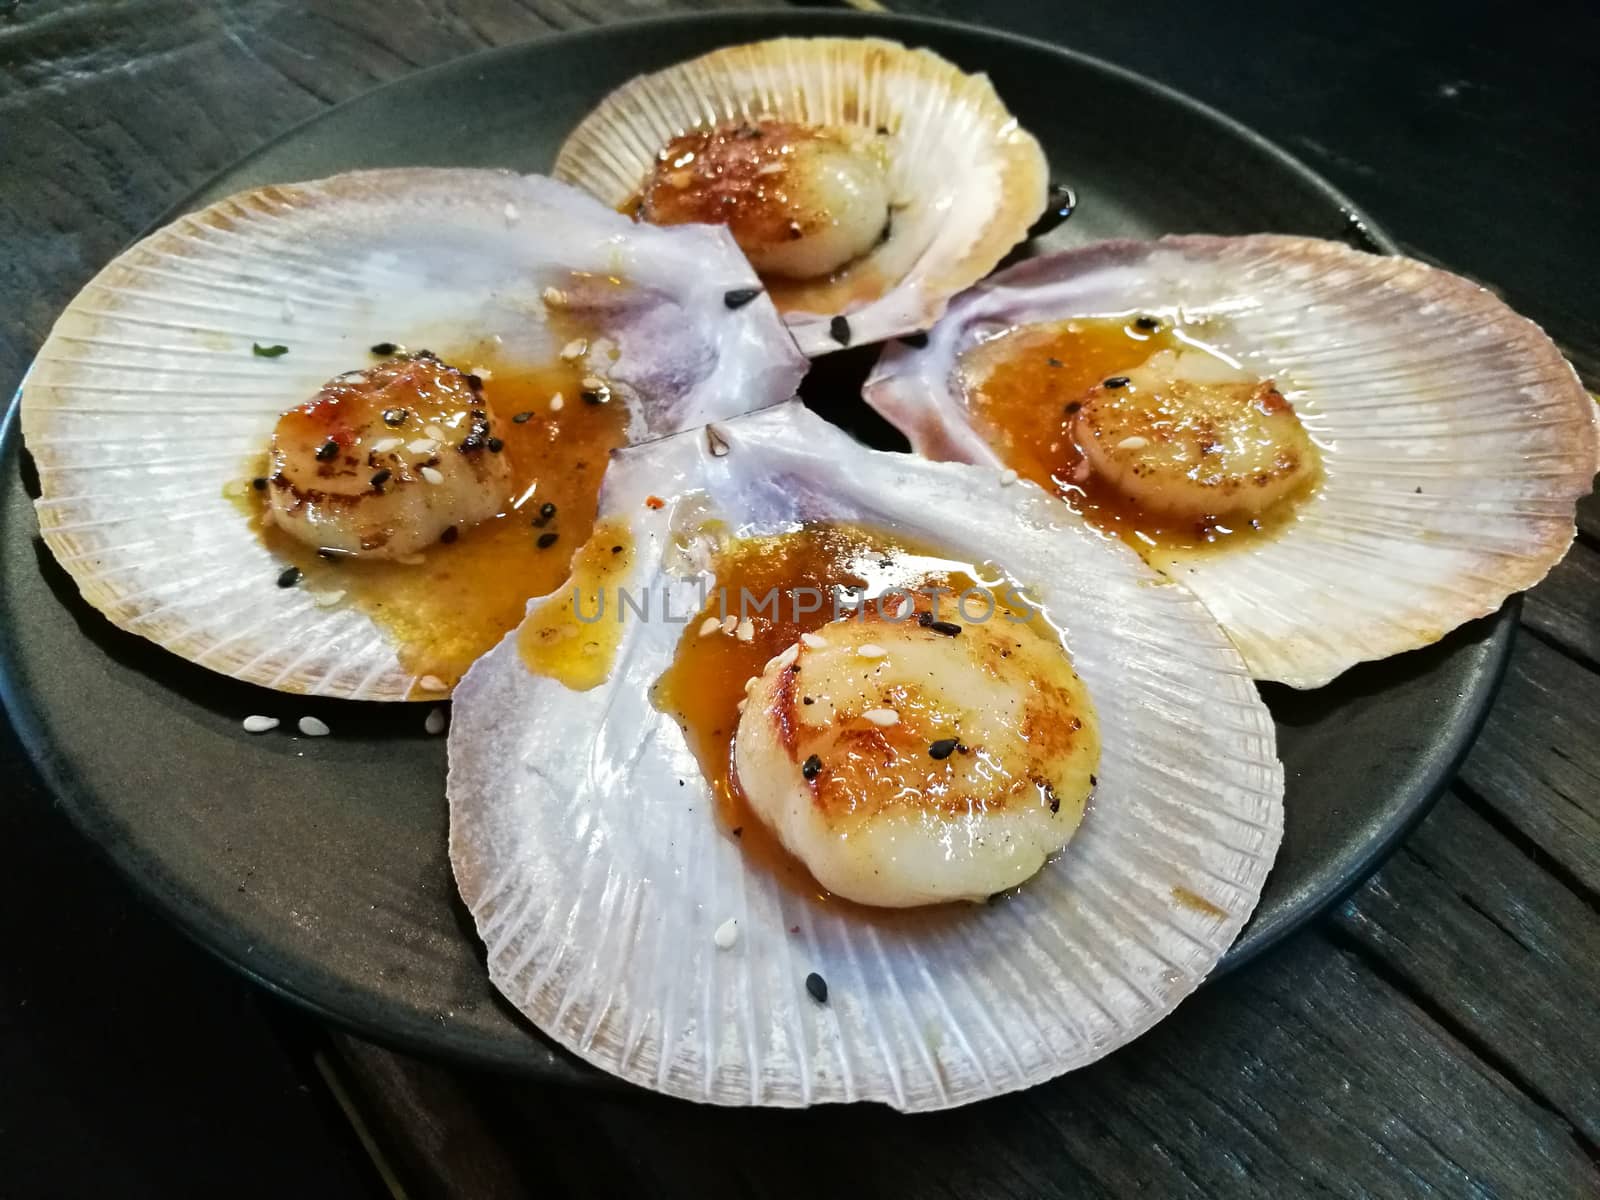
(966, 180)
(146, 399)
(584, 842)
(1456, 439)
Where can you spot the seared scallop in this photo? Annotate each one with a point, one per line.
(911, 762)
(1183, 435)
(801, 201)
(381, 462)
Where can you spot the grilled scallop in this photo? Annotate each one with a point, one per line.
(909, 763)
(384, 460)
(1344, 456)
(659, 838)
(867, 182)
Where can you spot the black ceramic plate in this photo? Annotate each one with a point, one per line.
(318, 866)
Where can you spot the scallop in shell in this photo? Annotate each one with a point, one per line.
(665, 939)
(867, 182)
(1344, 456)
(151, 405)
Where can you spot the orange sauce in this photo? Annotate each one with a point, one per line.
(1019, 387)
(443, 613)
(705, 682)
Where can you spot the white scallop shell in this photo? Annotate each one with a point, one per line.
(598, 883)
(146, 399)
(966, 180)
(1456, 439)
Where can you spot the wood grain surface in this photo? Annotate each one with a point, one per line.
(1434, 1036)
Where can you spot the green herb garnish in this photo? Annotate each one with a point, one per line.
(261, 351)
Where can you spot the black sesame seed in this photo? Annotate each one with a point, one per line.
(1054, 362)
(915, 340)
(379, 478)
(395, 416)
(1147, 323)
(547, 510)
(839, 330)
(811, 767)
(259, 483)
(1117, 381)
(599, 395)
(1074, 407)
(384, 349)
(522, 418)
(739, 297)
(883, 131)
(817, 986)
(1093, 782)
(948, 628)
(327, 450)
(495, 445)
(943, 748)
(924, 619)
(616, 549)
(289, 577)
(546, 540)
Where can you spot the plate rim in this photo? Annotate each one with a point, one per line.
(394, 1024)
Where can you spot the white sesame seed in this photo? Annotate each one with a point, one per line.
(435, 722)
(409, 560)
(592, 383)
(326, 599)
(384, 445)
(434, 432)
(576, 348)
(556, 402)
(312, 727)
(726, 935)
(772, 168)
(432, 683)
(431, 475)
(1133, 443)
(483, 373)
(554, 297)
(813, 641)
(1008, 477)
(730, 623)
(745, 630)
(259, 724)
(422, 446)
(709, 625)
(779, 661)
(871, 650)
(882, 717)
(511, 213)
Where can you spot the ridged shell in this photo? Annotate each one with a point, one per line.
(1456, 439)
(146, 400)
(597, 881)
(966, 180)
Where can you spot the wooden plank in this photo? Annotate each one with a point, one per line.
(1304, 1074)
(1505, 954)
(1536, 765)
(1565, 608)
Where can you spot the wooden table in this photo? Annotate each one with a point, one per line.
(1436, 1033)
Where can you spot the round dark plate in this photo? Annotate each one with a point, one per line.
(318, 866)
